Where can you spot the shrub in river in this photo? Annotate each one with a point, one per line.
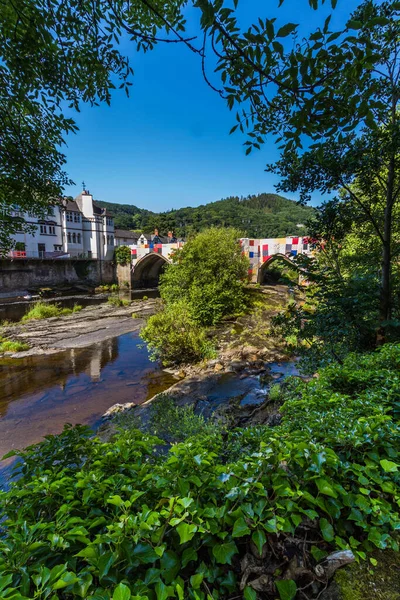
(218, 515)
(209, 273)
(116, 301)
(174, 337)
(10, 346)
(45, 310)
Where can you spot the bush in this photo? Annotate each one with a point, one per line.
(116, 301)
(205, 519)
(122, 255)
(45, 310)
(209, 273)
(169, 421)
(10, 346)
(174, 337)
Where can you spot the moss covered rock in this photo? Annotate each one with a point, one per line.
(365, 581)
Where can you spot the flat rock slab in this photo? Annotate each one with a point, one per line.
(88, 326)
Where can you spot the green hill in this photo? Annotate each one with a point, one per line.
(261, 216)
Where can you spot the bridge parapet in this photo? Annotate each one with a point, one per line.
(259, 252)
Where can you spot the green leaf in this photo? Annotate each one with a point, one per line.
(186, 532)
(352, 24)
(67, 579)
(188, 555)
(240, 528)
(121, 592)
(287, 589)
(196, 580)
(161, 591)
(327, 530)
(116, 500)
(259, 540)
(145, 553)
(223, 552)
(388, 466)
(249, 593)
(325, 488)
(286, 29)
(81, 587)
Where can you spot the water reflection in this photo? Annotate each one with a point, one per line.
(39, 394)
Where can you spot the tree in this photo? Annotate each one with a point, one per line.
(209, 273)
(335, 94)
(54, 56)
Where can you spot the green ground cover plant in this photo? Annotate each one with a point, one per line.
(45, 310)
(116, 301)
(252, 512)
(12, 346)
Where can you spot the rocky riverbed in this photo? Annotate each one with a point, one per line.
(90, 325)
(233, 388)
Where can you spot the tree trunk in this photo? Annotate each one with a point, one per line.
(385, 292)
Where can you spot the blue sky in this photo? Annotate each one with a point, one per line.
(168, 145)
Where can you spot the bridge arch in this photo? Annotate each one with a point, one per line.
(271, 259)
(146, 272)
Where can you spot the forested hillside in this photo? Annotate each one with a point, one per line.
(264, 215)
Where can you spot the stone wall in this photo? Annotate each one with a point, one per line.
(25, 274)
(124, 275)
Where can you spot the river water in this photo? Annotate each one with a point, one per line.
(38, 395)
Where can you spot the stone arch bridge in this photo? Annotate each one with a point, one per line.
(149, 260)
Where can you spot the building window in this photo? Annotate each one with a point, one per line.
(52, 230)
(69, 237)
(112, 240)
(79, 238)
(57, 248)
(109, 221)
(69, 216)
(74, 238)
(77, 217)
(43, 229)
(50, 211)
(41, 249)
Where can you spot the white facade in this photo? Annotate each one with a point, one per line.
(76, 229)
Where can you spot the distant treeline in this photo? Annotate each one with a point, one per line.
(264, 215)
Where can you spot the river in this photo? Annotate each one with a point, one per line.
(38, 395)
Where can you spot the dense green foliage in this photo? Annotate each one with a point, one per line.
(204, 284)
(55, 56)
(45, 310)
(122, 255)
(209, 274)
(168, 421)
(11, 346)
(173, 336)
(260, 216)
(121, 520)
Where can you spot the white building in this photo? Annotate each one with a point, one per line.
(74, 228)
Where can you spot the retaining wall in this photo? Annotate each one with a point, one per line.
(23, 274)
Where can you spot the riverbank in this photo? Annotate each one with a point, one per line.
(233, 388)
(91, 325)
